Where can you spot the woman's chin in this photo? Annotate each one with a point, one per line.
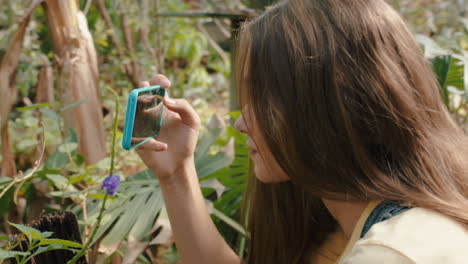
(266, 176)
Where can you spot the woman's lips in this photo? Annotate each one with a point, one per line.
(253, 152)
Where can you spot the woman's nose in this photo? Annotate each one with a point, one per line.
(240, 124)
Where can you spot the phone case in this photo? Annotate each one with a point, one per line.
(130, 116)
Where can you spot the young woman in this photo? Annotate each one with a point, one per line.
(356, 158)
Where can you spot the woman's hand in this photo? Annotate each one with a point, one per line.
(174, 147)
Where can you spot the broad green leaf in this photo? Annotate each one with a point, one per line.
(147, 218)
(231, 222)
(211, 164)
(215, 129)
(214, 184)
(4, 254)
(61, 242)
(28, 231)
(126, 220)
(142, 175)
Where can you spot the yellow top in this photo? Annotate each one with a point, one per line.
(337, 244)
(416, 236)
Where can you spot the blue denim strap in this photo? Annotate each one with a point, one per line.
(384, 211)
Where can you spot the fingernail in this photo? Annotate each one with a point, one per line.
(165, 83)
(169, 100)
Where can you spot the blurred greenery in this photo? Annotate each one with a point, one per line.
(199, 72)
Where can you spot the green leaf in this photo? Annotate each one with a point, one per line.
(51, 114)
(215, 185)
(57, 160)
(51, 247)
(456, 73)
(142, 175)
(6, 201)
(61, 242)
(104, 164)
(26, 143)
(235, 114)
(4, 254)
(47, 234)
(431, 48)
(215, 129)
(461, 73)
(211, 164)
(58, 180)
(34, 106)
(231, 222)
(30, 232)
(98, 196)
(72, 136)
(145, 222)
(77, 178)
(70, 146)
(5, 180)
(126, 220)
(441, 65)
(77, 103)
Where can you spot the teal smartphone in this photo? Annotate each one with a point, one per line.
(144, 116)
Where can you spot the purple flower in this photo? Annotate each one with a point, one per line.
(13, 237)
(111, 183)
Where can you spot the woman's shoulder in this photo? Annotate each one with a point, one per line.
(417, 235)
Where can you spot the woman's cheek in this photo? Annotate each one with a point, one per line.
(271, 174)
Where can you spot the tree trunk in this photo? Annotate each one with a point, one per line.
(8, 68)
(77, 75)
(45, 85)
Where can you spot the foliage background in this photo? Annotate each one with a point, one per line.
(194, 54)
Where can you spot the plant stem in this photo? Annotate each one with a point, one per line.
(95, 229)
(114, 128)
(103, 207)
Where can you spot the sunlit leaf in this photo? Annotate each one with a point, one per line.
(67, 107)
(68, 147)
(6, 254)
(34, 106)
(57, 160)
(30, 232)
(61, 242)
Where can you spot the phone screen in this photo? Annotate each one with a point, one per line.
(148, 115)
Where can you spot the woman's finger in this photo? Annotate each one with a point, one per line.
(185, 111)
(160, 79)
(143, 84)
(151, 144)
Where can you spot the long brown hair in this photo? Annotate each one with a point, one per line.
(349, 107)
